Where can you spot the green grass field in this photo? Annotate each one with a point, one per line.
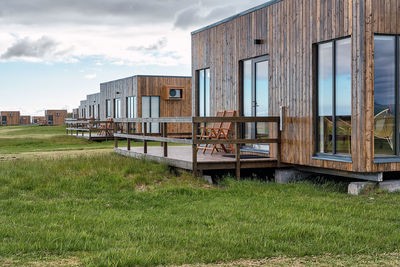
(108, 210)
(23, 139)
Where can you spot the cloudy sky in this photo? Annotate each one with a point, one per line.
(55, 52)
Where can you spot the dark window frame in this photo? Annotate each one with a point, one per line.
(150, 111)
(334, 153)
(396, 155)
(108, 109)
(198, 91)
(254, 61)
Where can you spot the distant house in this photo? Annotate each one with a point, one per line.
(93, 106)
(143, 96)
(56, 117)
(39, 120)
(75, 113)
(10, 118)
(25, 120)
(83, 110)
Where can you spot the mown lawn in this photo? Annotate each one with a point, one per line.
(108, 210)
(22, 139)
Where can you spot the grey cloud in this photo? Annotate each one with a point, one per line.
(118, 12)
(30, 48)
(192, 16)
(152, 47)
(93, 12)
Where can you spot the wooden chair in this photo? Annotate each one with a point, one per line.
(210, 132)
(225, 132)
(106, 128)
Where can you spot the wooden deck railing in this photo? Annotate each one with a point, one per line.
(88, 126)
(196, 122)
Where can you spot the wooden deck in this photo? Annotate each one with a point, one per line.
(95, 137)
(181, 157)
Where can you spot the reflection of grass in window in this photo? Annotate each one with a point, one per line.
(343, 134)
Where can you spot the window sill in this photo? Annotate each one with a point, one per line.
(336, 158)
(384, 159)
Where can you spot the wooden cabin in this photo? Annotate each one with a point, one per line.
(39, 120)
(25, 120)
(56, 117)
(83, 114)
(10, 118)
(148, 97)
(92, 105)
(75, 113)
(330, 68)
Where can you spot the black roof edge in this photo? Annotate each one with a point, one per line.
(143, 76)
(271, 2)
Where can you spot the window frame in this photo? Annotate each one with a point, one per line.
(382, 158)
(108, 108)
(333, 155)
(198, 92)
(149, 125)
(131, 107)
(117, 108)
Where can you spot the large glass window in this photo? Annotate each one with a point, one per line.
(255, 99)
(151, 109)
(385, 94)
(334, 97)
(117, 108)
(108, 108)
(204, 92)
(131, 107)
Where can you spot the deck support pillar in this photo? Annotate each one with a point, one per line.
(194, 147)
(115, 138)
(145, 141)
(165, 144)
(237, 152)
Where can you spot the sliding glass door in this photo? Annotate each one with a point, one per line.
(151, 109)
(255, 99)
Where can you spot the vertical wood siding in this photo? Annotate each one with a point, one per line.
(289, 29)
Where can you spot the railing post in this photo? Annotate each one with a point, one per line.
(161, 127)
(145, 141)
(128, 131)
(165, 144)
(115, 131)
(90, 132)
(237, 151)
(278, 150)
(194, 147)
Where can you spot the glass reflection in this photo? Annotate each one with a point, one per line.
(343, 96)
(384, 93)
(325, 94)
(201, 93)
(247, 96)
(207, 93)
(262, 96)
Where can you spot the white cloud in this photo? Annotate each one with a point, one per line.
(90, 76)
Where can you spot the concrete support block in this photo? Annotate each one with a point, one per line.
(390, 186)
(208, 179)
(285, 176)
(357, 188)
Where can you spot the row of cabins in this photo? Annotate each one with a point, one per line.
(140, 97)
(328, 68)
(14, 118)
